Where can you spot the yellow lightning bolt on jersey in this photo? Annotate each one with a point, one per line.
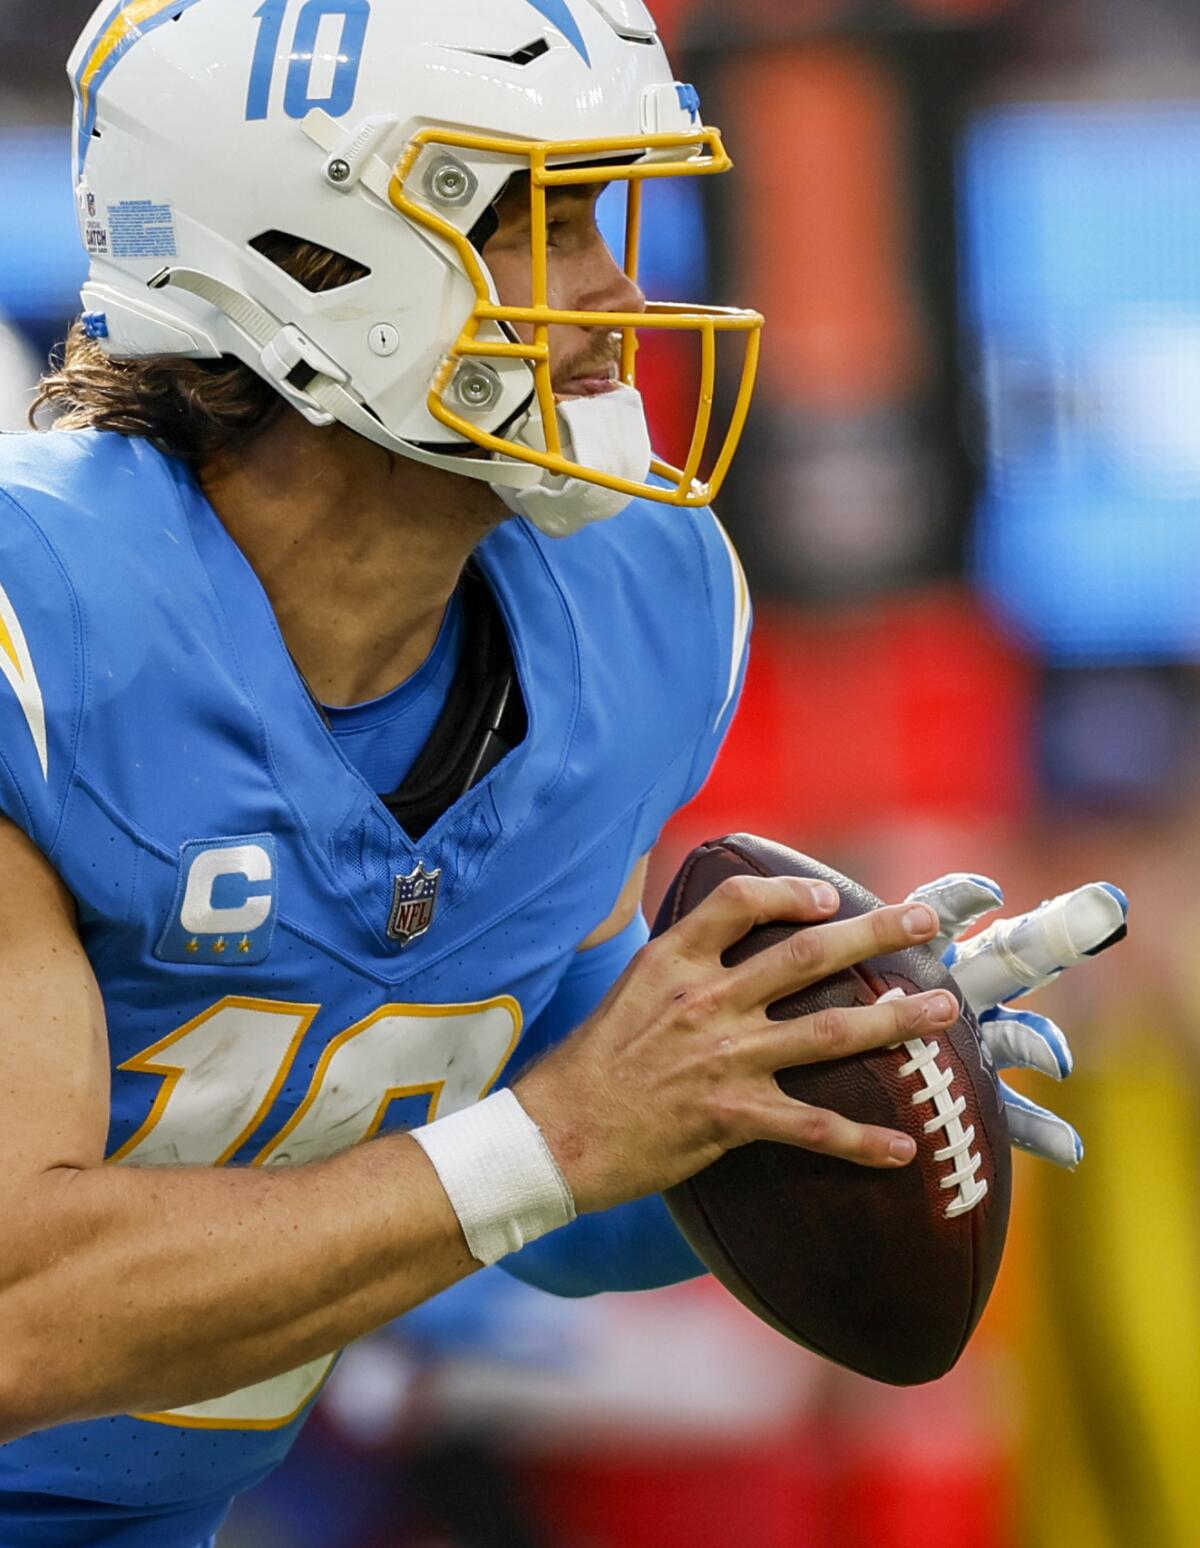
(17, 666)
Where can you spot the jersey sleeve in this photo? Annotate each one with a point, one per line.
(732, 619)
(636, 1246)
(633, 1247)
(40, 674)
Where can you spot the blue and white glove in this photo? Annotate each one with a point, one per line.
(1011, 958)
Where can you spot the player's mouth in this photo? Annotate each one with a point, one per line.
(592, 383)
(592, 380)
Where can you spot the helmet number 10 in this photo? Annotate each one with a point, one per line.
(306, 54)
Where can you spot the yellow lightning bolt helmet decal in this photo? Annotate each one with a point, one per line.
(17, 666)
(124, 26)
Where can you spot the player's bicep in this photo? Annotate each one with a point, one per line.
(54, 1077)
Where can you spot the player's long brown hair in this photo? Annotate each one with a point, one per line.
(193, 409)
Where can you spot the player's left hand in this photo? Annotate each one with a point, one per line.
(1011, 958)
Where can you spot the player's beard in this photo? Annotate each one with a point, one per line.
(599, 362)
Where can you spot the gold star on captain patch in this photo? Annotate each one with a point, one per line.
(244, 943)
(221, 946)
(193, 946)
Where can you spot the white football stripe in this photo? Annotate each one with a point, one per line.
(17, 666)
(741, 618)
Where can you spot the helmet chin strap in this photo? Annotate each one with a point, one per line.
(348, 411)
(609, 433)
(323, 399)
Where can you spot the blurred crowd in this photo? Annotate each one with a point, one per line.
(970, 504)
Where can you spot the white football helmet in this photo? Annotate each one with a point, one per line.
(385, 130)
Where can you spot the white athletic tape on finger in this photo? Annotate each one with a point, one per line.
(1015, 956)
(499, 1174)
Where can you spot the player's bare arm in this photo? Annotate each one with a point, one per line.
(141, 1290)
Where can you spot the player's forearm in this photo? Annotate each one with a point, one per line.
(129, 1290)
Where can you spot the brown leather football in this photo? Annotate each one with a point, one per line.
(887, 1272)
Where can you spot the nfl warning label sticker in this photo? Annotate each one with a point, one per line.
(141, 228)
(95, 232)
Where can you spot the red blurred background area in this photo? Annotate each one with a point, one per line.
(915, 707)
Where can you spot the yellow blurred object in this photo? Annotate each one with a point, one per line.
(1114, 1335)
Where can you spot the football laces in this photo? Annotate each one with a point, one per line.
(938, 1088)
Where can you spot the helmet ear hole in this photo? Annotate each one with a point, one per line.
(317, 268)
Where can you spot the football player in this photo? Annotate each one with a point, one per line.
(327, 770)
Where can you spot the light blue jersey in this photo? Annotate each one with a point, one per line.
(236, 877)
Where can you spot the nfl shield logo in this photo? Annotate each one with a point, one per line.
(414, 905)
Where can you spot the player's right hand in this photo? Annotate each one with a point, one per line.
(677, 1066)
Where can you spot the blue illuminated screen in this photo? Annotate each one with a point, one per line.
(1081, 286)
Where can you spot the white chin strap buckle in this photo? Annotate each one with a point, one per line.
(609, 433)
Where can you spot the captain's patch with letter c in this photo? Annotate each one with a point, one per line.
(226, 902)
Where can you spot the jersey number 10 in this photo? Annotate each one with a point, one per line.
(223, 1072)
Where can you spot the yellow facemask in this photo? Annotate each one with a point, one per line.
(575, 163)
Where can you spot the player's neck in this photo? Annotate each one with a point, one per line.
(358, 551)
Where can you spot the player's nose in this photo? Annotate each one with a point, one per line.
(607, 287)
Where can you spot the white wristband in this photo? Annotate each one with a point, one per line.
(499, 1174)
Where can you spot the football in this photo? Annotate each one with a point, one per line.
(886, 1272)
